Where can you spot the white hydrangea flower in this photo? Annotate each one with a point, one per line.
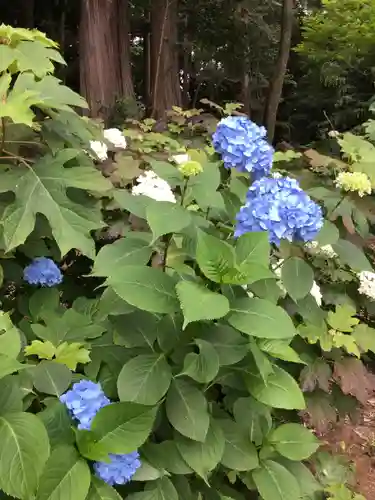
(151, 185)
(367, 284)
(276, 175)
(115, 137)
(326, 251)
(354, 181)
(100, 149)
(181, 159)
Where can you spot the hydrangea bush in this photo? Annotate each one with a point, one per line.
(176, 310)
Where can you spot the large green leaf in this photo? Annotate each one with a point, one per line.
(161, 489)
(66, 475)
(147, 288)
(10, 341)
(239, 453)
(204, 366)
(253, 249)
(253, 417)
(352, 256)
(166, 456)
(215, 257)
(204, 185)
(165, 217)
(9, 365)
(280, 391)
(229, 344)
(58, 423)
(144, 379)
(260, 318)
(294, 441)
(275, 482)
(198, 303)
(203, 457)
(309, 486)
(25, 450)
(41, 188)
(187, 410)
(124, 252)
(51, 378)
(99, 490)
(297, 277)
(122, 427)
(10, 395)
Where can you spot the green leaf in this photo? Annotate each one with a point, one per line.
(144, 379)
(260, 318)
(161, 489)
(280, 391)
(9, 366)
(262, 361)
(229, 344)
(297, 277)
(66, 475)
(352, 256)
(99, 490)
(328, 235)
(123, 252)
(294, 441)
(204, 185)
(342, 319)
(137, 329)
(309, 486)
(10, 395)
(166, 456)
(203, 457)
(253, 249)
(364, 336)
(72, 354)
(147, 472)
(202, 367)
(279, 349)
(10, 341)
(25, 454)
(41, 189)
(198, 303)
(253, 417)
(44, 350)
(215, 257)
(147, 288)
(239, 453)
(51, 378)
(186, 409)
(165, 218)
(275, 482)
(58, 423)
(122, 427)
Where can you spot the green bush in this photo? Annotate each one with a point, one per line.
(206, 345)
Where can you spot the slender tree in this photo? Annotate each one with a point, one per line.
(165, 80)
(105, 70)
(277, 81)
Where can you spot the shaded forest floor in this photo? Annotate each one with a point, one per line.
(356, 441)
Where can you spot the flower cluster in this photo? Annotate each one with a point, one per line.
(242, 145)
(84, 401)
(367, 284)
(282, 208)
(151, 185)
(42, 271)
(114, 136)
(354, 181)
(325, 251)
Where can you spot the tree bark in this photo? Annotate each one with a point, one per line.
(277, 81)
(165, 79)
(105, 70)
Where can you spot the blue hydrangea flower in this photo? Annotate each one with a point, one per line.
(42, 271)
(120, 469)
(83, 401)
(282, 208)
(241, 144)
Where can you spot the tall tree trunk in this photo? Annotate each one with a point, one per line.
(105, 70)
(165, 80)
(277, 81)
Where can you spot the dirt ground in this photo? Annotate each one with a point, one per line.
(357, 442)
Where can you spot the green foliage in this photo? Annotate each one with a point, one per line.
(198, 339)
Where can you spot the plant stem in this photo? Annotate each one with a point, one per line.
(2, 133)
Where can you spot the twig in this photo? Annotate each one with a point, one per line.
(3, 133)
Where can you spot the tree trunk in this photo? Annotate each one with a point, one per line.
(165, 79)
(277, 81)
(105, 70)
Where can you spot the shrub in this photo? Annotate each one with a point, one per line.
(148, 351)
